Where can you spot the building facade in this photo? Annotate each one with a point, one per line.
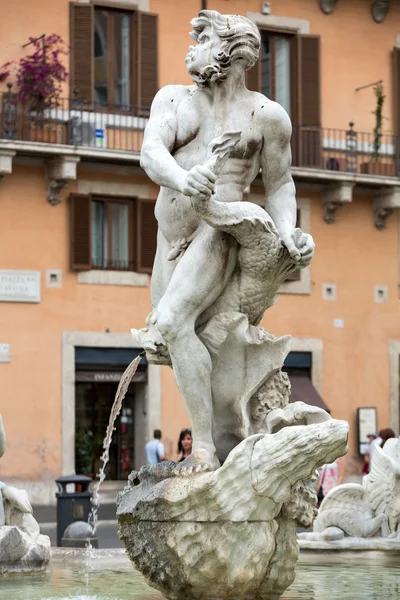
(78, 233)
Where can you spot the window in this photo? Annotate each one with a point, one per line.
(112, 52)
(275, 56)
(114, 56)
(288, 72)
(112, 233)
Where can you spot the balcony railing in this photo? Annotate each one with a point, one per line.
(347, 151)
(73, 122)
(82, 124)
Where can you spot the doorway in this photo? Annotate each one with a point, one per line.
(93, 402)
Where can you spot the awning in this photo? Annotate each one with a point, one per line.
(304, 391)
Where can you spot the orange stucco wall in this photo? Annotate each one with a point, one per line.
(355, 50)
(351, 253)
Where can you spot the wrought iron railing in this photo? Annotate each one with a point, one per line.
(82, 124)
(349, 151)
(73, 122)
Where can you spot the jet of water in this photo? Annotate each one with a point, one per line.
(115, 410)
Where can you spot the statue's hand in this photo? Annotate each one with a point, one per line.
(300, 246)
(199, 182)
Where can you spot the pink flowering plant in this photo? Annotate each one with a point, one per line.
(39, 75)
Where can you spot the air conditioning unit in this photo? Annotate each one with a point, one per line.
(83, 133)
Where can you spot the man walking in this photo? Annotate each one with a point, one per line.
(155, 451)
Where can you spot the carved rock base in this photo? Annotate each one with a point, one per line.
(23, 550)
(229, 533)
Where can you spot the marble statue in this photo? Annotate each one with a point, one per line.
(370, 510)
(218, 260)
(22, 547)
(223, 522)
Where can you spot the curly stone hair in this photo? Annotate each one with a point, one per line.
(240, 40)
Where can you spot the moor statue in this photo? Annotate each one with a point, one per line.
(220, 261)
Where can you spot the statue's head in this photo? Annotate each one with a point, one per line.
(221, 41)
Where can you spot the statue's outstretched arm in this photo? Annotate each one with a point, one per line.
(280, 192)
(159, 140)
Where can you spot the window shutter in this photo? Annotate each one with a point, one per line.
(82, 43)
(146, 235)
(253, 77)
(309, 110)
(396, 90)
(80, 235)
(147, 58)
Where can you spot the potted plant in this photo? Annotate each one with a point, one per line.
(376, 166)
(39, 78)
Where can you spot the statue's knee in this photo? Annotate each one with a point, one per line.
(168, 324)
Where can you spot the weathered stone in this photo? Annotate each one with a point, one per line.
(23, 550)
(370, 511)
(197, 529)
(232, 531)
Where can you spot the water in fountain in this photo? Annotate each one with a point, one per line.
(115, 410)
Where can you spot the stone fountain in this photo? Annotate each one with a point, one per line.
(22, 547)
(222, 524)
(362, 516)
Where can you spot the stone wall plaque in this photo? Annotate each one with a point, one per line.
(19, 286)
(5, 353)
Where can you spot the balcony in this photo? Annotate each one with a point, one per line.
(95, 129)
(82, 128)
(345, 151)
(335, 161)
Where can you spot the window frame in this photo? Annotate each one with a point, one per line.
(112, 9)
(292, 37)
(131, 202)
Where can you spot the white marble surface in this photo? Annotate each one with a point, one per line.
(220, 261)
(370, 510)
(230, 532)
(197, 529)
(22, 548)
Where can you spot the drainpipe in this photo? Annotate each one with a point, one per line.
(203, 4)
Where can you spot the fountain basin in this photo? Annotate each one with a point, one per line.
(109, 575)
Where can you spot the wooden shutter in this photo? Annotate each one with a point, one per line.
(80, 234)
(82, 50)
(147, 58)
(396, 90)
(309, 106)
(146, 235)
(253, 77)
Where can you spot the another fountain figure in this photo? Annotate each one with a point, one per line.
(196, 260)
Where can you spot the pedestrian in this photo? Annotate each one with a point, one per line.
(155, 451)
(331, 475)
(386, 434)
(185, 444)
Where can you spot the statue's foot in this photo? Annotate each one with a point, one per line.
(200, 461)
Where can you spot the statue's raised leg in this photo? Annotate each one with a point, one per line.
(197, 281)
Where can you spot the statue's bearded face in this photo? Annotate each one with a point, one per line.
(201, 60)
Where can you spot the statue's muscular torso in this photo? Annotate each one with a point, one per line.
(198, 122)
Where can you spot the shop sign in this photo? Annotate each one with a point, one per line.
(19, 286)
(107, 376)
